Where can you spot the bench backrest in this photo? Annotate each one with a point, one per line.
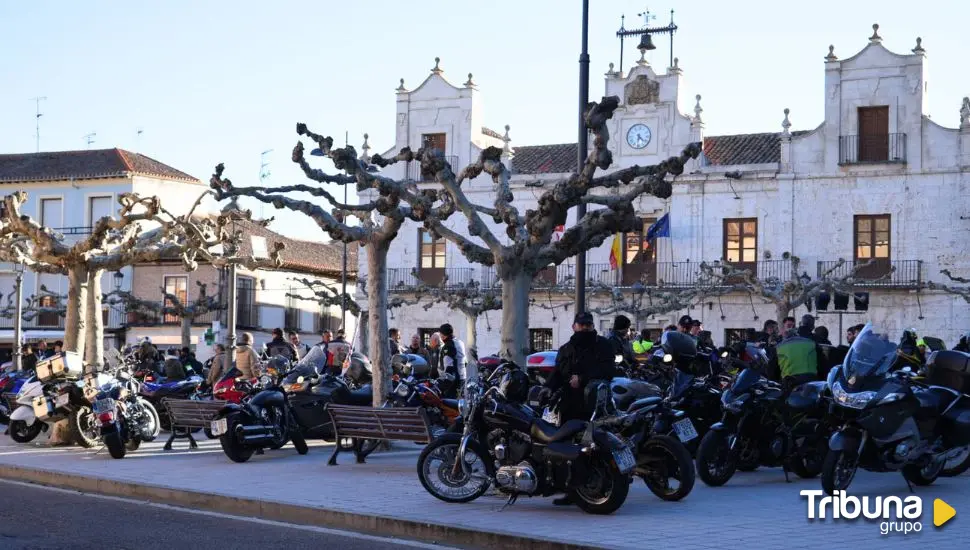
(190, 412)
(401, 424)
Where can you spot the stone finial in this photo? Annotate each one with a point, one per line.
(643, 59)
(918, 50)
(697, 108)
(831, 56)
(786, 124)
(611, 72)
(507, 149)
(675, 68)
(437, 66)
(965, 114)
(401, 89)
(469, 83)
(365, 148)
(875, 38)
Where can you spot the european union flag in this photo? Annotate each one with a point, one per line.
(660, 228)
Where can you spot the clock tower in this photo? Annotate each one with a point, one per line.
(649, 125)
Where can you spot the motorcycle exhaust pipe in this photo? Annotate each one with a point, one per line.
(246, 431)
(257, 439)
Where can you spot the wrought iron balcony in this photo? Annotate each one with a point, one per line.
(872, 149)
(414, 169)
(76, 230)
(405, 279)
(134, 318)
(880, 273)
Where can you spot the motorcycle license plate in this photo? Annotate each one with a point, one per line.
(220, 426)
(685, 430)
(624, 460)
(104, 405)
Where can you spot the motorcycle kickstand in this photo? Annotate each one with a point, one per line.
(784, 468)
(512, 498)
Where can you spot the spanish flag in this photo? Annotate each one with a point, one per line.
(615, 252)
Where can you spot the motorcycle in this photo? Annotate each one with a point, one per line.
(126, 419)
(264, 421)
(891, 422)
(154, 392)
(410, 388)
(10, 384)
(761, 426)
(308, 393)
(505, 443)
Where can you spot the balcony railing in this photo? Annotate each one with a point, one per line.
(901, 274)
(39, 322)
(150, 318)
(77, 230)
(871, 149)
(403, 279)
(414, 169)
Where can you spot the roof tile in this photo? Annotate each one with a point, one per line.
(91, 164)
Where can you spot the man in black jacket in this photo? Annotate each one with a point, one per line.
(587, 356)
(620, 340)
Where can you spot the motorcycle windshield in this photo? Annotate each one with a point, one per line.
(678, 344)
(744, 381)
(232, 373)
(306, 371)
(871, 354)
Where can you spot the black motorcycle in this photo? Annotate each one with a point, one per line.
(155, 392)
(761, 427)
(503, 442)
(264, 421)
(890, 420)
(309, 392)
(126, 419)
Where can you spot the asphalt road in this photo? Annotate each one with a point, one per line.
(34, 517)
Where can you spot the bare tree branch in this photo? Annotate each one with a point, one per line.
(326, 295)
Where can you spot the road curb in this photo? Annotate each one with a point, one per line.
(291, 513)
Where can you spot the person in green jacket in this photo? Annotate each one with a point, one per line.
(797, 360)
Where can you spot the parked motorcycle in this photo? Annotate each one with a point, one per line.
(892, 422)
(126, 419)
(154, 392)
(505, 443)
(10, 384)
(308, 393)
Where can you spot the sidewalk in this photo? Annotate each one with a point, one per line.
(756, 510)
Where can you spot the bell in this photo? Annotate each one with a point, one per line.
(646, 43)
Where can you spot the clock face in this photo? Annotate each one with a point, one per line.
(638, 136)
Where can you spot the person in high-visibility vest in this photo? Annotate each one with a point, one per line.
(642, 346)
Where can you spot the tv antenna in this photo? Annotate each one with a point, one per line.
(37, 116)
(264, 172)
(89, 139)
(138, 132)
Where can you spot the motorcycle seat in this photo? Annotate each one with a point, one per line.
(450, 403)
(643, 403)
(934, 399)
(545, 433)
(363, 397)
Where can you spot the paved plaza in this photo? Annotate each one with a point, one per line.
(754, 510)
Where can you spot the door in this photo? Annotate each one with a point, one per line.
(639, 256)
(431, 269)
(437, 142)
(246, 302)
(873, 134)
(872, 245)
(177, 286)
(741, 244)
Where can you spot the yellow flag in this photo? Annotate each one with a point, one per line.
(615, 252)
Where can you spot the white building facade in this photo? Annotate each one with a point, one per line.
(877, 183)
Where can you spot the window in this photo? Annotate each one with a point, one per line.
(246, 302)
(431, 268)
(425, 334)
(326, 320)
(47, 318)
(51, 213)
(292, 313)
(540, 339)
(741, 243)
(872, 244)
(435, 141)
(99, 207)
(873, 134)
(639, 256)
(178, 286)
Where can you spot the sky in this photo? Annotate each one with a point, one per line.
(219, 81)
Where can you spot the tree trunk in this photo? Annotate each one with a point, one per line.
(471, 334)
(186, 331)
(77, 302)
(94, 331)
(515, 317)
(377, 321)
(363, 322)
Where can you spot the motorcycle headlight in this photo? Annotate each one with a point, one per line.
(734, 404)
(668, 358)
(402, 390)
(265, 380)
(463, 407)
(617, 359)
(892, 397)
(857, 400)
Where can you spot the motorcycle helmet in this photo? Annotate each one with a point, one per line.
(515, 386)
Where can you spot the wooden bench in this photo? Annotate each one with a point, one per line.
(188, 414)
(391, 424)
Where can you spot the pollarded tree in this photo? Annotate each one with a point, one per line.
(471, 299)
(529, 246)
(961, 291)
(45, 302)
(171, 306)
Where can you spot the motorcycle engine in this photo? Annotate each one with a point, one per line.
(520, 478)
(509, 447)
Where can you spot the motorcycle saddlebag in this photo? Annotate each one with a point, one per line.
(956, 432)
(67, 365)
(950, 369)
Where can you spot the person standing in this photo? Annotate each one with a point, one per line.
(28, 361)
(246, 359)
(394, 346)
(42, 352)
(821, 335)
(340, 353)
(218, 368)
(852, 332)
(788, 323)
(620, 340)
(696, 326)
(797, 361)
(451, 361)
(319, 355)
(301, 348)
(280, 347)
(188, 360)
(770, 334)
(684, 324)
(434, 350)
(416, 348)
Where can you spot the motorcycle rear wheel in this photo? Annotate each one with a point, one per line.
(606, 491)
(116, 447)
(233, 449)
(716, 461)
(666, 459)
(22, 433)
(923, 475)
(439, 481)
(956, 466)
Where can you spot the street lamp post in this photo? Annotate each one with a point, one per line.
(18, 320)
(581, 151)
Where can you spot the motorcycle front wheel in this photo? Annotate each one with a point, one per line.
(84, 428)
(22, 433)
(953, 467)
(838, 469)
(233, 449)
(716, 461)
(436, 470)
(666, 467)
(605, 490)
(154, 423)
